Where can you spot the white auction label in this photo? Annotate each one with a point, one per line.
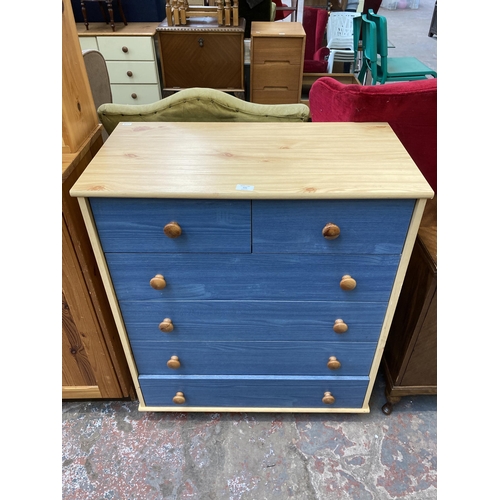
(244, 187)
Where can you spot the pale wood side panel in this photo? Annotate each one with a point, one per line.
(81, 392)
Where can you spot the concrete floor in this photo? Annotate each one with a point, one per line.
(111, 451)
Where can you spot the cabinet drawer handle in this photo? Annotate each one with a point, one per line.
(158, 282)
(333, 363)
(339, 326)
(133, 96)
(179, 399)
(174, 363)
(129, 73)
(328, 399)
(172, 230)
(200, 42)
(331, 231)
(347, 283)
(125, 49)
(166, 326)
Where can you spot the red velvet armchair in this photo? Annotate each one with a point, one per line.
(410, 108)
(315, 54)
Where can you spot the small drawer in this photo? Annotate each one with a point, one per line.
(275, 277)
(138, 225)
(236, 320)
(275, 76)
(253, 392)
(275, 96)
(276, 49)
(296, 226)
(135, 94)
(88, 42)
(254, 358)
(132, 72)
(126, 48)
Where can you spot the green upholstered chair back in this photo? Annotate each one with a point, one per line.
(201, 105)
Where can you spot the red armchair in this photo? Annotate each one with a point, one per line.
(410, 108)
(315, 53)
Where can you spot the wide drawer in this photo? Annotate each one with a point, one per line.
(275, 76)
(126, 48)
(137, 225)
(275, 96)
(194, 321)
(256, 392)
(135, 93)
(192, 276)
(132, 72)
(296, 226)
(253, 358)
(276, 49)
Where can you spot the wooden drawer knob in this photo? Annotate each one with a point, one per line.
(166, 326)
(133, 96)
(172, 230)
(331, 231)
(339, 326)
(179, 399)
(328, 399)
(174, 363)
(129, 73)
(333, 363)
(158, 282)
(125, 49)
(347, 283)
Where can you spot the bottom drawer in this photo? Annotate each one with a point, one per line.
(254, 391)
(144, 94)
(275, 96)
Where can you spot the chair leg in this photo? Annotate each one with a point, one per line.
(121, 12)
(110, 12)
(84, 14)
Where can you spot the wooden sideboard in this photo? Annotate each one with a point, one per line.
(93, 360)
(253, 266)
(410, 356)
(202, 54)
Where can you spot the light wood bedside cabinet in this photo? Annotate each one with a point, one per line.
(253, 266)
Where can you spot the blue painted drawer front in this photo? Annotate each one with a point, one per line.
(256, 392)
(295, 226)
(252, 320)
(136, 225)
(253, 358)
(252, 276)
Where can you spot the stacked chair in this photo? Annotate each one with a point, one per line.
(339, 38)
(375, 57)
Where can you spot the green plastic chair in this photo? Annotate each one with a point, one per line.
(382, 67)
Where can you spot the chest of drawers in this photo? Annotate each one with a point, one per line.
(130, 57)
(249, 273)
(277, 61)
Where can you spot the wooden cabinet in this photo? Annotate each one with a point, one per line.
(264, 278)
(131, 59)
(202, 54)
(93, 360)
(410, 358)
(277, 62)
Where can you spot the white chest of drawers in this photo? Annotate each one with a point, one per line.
(131, 60)
(253, 267)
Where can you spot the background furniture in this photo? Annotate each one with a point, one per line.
(409, 107)
(277, 58)
(316, 54)
(376, 60)
(309, 78)
(201, 105)
(226, 308)
(410, 355)
(283, 10)
(433, 27)
(130, 57)
(145, 11)
(202, 54)
(340, 40)
(109, 6)
(93, 361)
(98, 76)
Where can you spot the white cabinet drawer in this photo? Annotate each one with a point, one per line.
(126, 48)
(144, 94)
(88, 42)
(132, 72)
